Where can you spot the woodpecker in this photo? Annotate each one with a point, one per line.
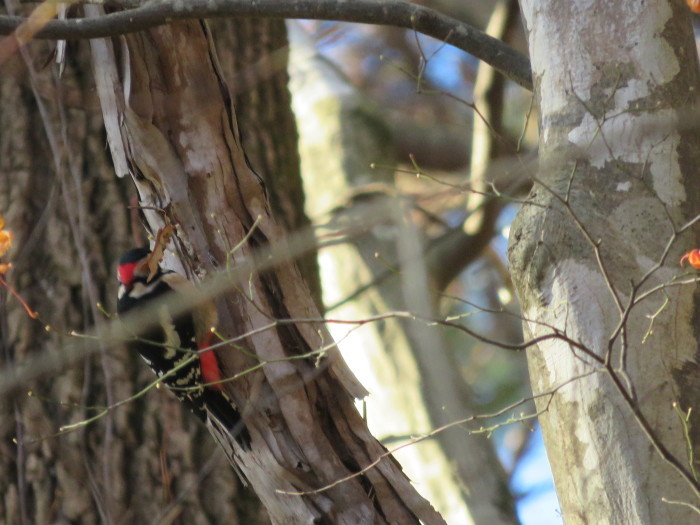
(168, 346)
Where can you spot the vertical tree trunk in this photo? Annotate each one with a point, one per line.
(183, 148)
(415, 386)
(617, 180)
(254, 54)
(142, 462)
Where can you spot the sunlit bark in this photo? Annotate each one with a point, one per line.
(409, 369)
(183, 148)
(617, 179)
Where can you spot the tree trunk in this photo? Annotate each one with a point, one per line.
(415, 384)
(142, 462)
(182, 146)
(254, 54)
(595, 257)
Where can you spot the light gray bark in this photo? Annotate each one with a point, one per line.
(616, 181)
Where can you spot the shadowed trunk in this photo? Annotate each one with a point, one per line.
(147, 461)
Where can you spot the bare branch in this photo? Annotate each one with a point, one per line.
(395, 13)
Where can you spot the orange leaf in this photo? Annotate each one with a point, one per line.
(693, 257)
(4, 268)
(162, 240)
(6, 237)
(694, 5)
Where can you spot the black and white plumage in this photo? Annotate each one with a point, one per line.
(172, 346)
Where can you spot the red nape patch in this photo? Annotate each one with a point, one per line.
(210, 368)
(126, 273)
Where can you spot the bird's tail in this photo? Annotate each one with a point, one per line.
(221, 407)
(226, 425)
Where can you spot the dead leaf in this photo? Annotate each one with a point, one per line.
(6, 237)
(162, 240)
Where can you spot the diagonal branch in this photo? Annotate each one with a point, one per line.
(396, 13)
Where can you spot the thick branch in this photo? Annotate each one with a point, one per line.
(396, 13)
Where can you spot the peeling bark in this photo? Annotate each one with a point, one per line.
(257, 80)
(185, 154)
(144, 461)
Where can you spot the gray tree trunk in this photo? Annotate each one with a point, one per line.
(595, 257)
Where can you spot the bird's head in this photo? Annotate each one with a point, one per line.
(133, 266)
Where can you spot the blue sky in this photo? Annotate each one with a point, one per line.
(532, 478)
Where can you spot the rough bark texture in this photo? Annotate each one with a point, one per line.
(412, 376)
(612, 81)
(184, 151)
(253, 54)
(145, 461)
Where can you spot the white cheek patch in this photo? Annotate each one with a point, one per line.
(140, 289)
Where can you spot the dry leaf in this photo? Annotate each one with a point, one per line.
(36, 21)
(6, 237)
(162, 240)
